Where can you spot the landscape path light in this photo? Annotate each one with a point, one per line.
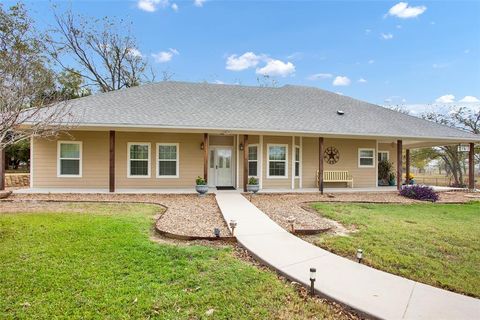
(313, 275)
(291, 222)
(216, 232)
(359, 255)
(233, 225)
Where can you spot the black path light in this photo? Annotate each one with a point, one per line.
(233, 225)
(313, 272)
(216, 232)
(359, 255)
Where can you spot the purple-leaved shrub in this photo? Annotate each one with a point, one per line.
(419, 192)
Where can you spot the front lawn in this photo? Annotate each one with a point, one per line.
(98, 261)
(437, 244)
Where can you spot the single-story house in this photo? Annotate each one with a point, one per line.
(164, 135)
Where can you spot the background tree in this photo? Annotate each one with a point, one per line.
(104, 50)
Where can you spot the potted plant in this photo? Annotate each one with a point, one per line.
(391, 178)
(385, 168)
(201, 186)
(252, 185)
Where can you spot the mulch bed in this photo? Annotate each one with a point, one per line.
(187, 217)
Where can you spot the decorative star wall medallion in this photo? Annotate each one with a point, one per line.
(331, 155)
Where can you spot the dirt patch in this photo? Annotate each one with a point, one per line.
(186, 214)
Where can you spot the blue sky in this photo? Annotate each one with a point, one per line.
(385, 52)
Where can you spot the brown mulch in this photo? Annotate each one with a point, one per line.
(186, 214)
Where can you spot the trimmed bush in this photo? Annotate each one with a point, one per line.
(418, 192)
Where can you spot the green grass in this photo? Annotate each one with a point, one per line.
(98, 261)
(437, 244)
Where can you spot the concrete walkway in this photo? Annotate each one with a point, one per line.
(367, 290)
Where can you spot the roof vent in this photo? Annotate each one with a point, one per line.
(340, 112)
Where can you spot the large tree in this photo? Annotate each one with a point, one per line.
(105, 52)
(27, 83)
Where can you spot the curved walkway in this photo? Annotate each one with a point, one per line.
(367, 290)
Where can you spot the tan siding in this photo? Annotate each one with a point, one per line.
(392, 149)
(348, 149)
(190, 157)
(251, 140)
(94, 161)
(221, 140)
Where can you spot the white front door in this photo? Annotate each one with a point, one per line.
(223, 166)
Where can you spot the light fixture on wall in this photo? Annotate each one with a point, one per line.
(241, 146)
(202, 146)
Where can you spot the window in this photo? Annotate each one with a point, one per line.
(167, 156)
(366, 158)
(297, 161)
(383, 155)
(277, 161)
(253, 161)
(69, 159)
(138, 160)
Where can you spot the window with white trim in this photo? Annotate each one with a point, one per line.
(366, 158)
(383, 155)
(252, 161)
(167, 160)
(277, 161)
(69, 159)
(297, 161)
(138, 160)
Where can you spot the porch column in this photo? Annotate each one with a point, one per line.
(471, 167)
(205, 157)
(407, 166)
(112, 162)
(245, 162)
(320, 164)
(399, 164)
(2, 169)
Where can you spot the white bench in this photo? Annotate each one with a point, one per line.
(336, 176)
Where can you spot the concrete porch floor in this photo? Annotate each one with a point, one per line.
(214, 190)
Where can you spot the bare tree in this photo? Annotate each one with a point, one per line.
(105, 51)
(27, 85)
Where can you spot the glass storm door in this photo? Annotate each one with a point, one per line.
(223, 167)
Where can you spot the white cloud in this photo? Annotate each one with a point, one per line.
(165, 56)
(134, 52)
(174, 7)
(362, 80)
(371, 61)
(404, 11)
(470, 99)
(198, 3)
(276, 68)
(245, 61)
(219, 82)
(448, 98)
(319, 76)
(151, 5)
(341, 81)
(368, 31)
(398, 26)
(386, 36)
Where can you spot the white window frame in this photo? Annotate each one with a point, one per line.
(177, 161)
(299, 161)
(268, 160)
(129, 144)
(387, 152)
(373, 158)
(257, 161)
(80, 158)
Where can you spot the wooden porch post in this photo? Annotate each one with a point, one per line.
(399, 164)
(471, 167)
(2, 169)
(320, 164)
(205, 157)
(407, 166)
(112, 162)
(245, 162)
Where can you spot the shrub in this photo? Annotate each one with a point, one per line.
(200, 181)
(385, 167)
(253, 181)
(418, 192)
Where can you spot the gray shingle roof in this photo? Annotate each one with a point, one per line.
(231, 107)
